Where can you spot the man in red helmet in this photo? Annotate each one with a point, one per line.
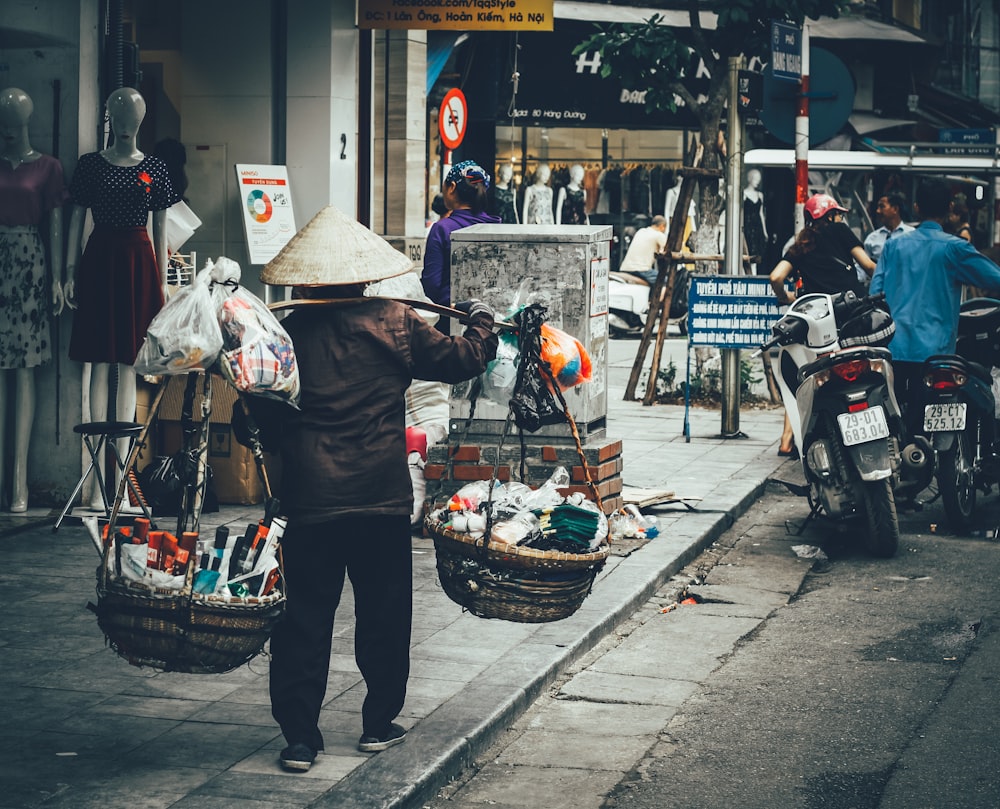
(821, 258)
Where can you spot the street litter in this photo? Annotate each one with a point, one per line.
(809, 552)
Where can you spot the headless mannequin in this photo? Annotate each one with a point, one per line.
(126, 109)
(754, 223)
(538, 199)
(572, 190)
(15, 111)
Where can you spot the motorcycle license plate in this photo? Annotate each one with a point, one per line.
(863, 426)
(944, 418)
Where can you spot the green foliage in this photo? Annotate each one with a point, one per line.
(654, 57)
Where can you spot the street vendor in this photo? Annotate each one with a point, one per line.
(345, 484)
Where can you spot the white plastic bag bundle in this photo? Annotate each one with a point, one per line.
(257, 354)
(185, 335)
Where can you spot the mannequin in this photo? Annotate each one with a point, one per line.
(754, 223)
(670, 205)
(538, 198)
(571, 206)
(503, 197)
(119, 283)
(32, 192)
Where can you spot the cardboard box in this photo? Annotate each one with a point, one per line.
(233, 468)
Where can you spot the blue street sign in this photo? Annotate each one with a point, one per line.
(731, 311)
(966, 136)
(786, 51)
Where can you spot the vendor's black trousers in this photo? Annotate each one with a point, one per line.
(375, 552)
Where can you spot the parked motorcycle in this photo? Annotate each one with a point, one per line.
(836, 382)
(628, 302)
(960, 412)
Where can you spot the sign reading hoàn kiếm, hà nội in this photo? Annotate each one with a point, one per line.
(462, 15)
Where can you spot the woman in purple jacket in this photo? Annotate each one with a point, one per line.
(464, 191)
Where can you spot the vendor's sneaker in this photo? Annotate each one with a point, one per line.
(374, 744)
(297, 757)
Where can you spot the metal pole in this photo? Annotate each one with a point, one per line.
(802, 137)
(734, 244)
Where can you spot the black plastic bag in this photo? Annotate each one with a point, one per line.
(162, 483)
(533, 403)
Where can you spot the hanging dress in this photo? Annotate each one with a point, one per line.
(117, 284)
(753, 226)
(27, 194)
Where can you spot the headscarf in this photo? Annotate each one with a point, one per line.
(470, 171)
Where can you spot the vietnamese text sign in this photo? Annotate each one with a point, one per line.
(786, 51)
(461, 15)
(266, 203)
(731, 311)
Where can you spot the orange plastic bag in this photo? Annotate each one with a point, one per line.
(566, 356)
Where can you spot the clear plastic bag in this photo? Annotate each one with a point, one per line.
(257, 355)
(185, 335)
(501, 372)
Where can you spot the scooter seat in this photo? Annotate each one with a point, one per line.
(628, 278)
(981, 371)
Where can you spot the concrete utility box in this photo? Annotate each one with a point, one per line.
(563, 267)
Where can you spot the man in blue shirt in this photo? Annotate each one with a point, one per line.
(890, 212)
(921, 274)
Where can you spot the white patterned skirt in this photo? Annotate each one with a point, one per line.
(25, 341)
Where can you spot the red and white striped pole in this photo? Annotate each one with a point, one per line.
(802, 136)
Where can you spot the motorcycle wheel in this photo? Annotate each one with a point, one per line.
(882, 535)
(957, 483)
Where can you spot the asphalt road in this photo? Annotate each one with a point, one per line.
(852, 683)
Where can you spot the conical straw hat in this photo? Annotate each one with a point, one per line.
(334, 249)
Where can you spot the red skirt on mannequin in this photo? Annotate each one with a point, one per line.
(118, 292)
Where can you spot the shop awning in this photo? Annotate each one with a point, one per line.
(838, 160)
(864, 123)
(823, 28)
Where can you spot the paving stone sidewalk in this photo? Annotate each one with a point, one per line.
(86, 729)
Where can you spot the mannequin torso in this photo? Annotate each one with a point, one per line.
(538, 199)
(571, 206)
(504, 195)
(754, 223)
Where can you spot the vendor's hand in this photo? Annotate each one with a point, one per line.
(473, 308)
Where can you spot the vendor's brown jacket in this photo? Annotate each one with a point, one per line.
(344, 452)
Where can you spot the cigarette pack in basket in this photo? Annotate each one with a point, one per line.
(177, 628)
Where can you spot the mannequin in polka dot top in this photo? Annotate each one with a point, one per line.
(118, 284)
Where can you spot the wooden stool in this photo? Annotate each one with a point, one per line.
(96, 436)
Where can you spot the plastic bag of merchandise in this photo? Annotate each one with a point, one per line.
(257, 354)
(547, 495)
(185, 335)
(567, 358)
(501, 372)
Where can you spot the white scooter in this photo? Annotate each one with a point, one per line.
(836, 382)
(628, 303)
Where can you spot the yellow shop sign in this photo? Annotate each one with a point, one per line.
(462, 15)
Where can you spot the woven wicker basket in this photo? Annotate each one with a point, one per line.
(182, 631)
(524, 585)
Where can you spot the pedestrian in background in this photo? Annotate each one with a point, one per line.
(922, 277)
(345, 484)
(464, 192)
(890, 213)
(821, 259)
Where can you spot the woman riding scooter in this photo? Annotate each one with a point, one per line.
(821, 259)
